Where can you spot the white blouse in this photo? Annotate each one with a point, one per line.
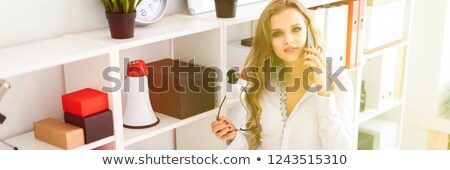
(316, 122)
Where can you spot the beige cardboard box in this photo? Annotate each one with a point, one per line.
(58, 133)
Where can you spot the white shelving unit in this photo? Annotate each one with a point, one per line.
(394, 111)
(84, 56)
(94, 51)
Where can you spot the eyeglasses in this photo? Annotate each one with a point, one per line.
(220, 108)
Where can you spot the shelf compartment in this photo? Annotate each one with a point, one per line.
(27, 141)
(385, 133)
(167, 28)
(252, 12)
(166, 124)
(38, 55)
(370, 113)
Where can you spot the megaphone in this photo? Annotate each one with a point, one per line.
(138, 112)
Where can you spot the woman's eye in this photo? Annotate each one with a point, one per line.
(276, 34)
(297, 29)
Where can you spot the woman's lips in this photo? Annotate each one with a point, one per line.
(291, 50)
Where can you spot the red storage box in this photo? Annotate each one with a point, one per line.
(85, 102)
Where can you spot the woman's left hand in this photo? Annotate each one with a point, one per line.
(314, 59)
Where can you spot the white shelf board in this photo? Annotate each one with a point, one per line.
(166, 124)
(370, 113)
(27, 141)
(4, 146)
(167, 28)
(428, 121)
(252, 12)
(244, 13)
(24, 58)
(368, 56)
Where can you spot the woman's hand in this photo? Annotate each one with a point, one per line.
(224, 129)
(314, 59)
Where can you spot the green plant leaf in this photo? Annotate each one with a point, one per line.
(126, 6)
(120, 6)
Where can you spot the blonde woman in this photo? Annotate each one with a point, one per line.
(300, 113)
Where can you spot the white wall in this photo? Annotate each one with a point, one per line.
(31, 20)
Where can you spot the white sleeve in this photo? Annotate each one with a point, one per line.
(335, 116)
(239, 142)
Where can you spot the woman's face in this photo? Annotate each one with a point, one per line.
(288, 34)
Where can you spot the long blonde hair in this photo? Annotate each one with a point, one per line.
(260, 52)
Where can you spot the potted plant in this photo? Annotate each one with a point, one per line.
(121, 15)
(225, 8)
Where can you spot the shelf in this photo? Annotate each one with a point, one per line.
(25, 58)
(244, 13)
(252, 12)
(165, 29)
(380, 52)
(166, 124)
(428, 121)
(370, 113)
(27, 141)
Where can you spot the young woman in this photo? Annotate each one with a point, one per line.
(300, 113)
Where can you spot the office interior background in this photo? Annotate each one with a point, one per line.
(49, 48)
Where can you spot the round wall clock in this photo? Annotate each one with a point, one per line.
(150, 11)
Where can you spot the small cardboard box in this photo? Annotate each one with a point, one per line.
(58, 133)
(85, 102)
(96, 126)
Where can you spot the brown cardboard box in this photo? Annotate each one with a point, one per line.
(167, 99)
(96, 126)
(58, 133)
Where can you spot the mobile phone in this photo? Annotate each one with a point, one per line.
(310, 38)
(4, 86)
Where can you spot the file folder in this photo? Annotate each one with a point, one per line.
(336, 33)
(361, 34)
(352, 33)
